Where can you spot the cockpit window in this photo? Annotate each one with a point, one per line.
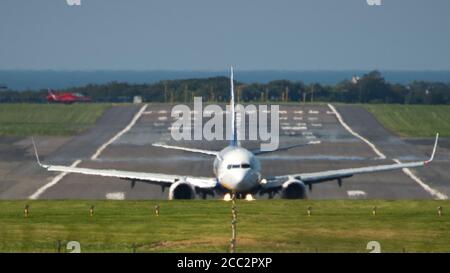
(237, 166)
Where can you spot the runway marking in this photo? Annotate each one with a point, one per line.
(119, 134)
(54, 181)
(295, 128)
(316, 124)
(407, 171)
(298, 112)
(298, 118)
(350, 130)
(313, 112)
(187, 128)
(162, 112)
(283, 118)
(147, 112)
(158, 124)
(282, 112)
(115, 196)
(356, 194)
(427, 188)
(312, 118)
(162, 118)
(60, 176)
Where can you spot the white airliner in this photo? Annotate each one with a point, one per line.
(237, 171)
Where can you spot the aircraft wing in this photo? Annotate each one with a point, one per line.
(193, 150)
(260, 152)
(153, 178)
(318, 177)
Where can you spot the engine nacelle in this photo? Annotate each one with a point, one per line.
(181, 190)
(293, 189)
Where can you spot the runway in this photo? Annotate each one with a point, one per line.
(21, 177)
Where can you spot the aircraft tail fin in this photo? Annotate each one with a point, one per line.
(234, 137)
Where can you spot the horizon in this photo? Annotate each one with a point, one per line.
(21, 80)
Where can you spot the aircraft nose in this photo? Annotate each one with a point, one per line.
(240, 175)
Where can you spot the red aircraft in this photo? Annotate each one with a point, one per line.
(67, 97)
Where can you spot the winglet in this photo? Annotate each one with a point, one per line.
(35, 152)
(434, 149)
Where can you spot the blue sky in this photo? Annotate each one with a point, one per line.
(214, 34)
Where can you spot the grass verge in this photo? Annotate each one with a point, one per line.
(48, 119)
(204, 226)
(413, 120)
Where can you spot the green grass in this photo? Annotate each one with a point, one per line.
(413, 120)
(47, 119)
(204, 226)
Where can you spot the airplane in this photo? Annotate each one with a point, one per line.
(237, 172)
(67, 97)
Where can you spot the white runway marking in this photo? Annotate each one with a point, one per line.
(54, 181)
(283, 118)
(298, 112)
(147, 112)
(313, 119)
(162, 112)
(158, 124)
(211, 112)
(427, 188)
(60, 176)
(407, 171)
(282, 112)
(119, 134)
(295, 128)
(115, 196)
(162, 118)
(313, 112)
(350, 130)
(356, 194)
(187, 128)
(316, 124)
(298, 118)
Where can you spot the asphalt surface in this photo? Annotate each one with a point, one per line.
(21, 177)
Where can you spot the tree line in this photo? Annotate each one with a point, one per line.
(370, 88)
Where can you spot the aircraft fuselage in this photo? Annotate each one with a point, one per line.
(237, 169)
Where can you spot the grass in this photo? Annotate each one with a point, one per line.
(204, 226)
(47, 119)
(413, 120)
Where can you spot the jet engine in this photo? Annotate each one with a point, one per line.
(293, 189)
(181, 190)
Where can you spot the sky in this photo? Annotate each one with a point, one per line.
(214, 34)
